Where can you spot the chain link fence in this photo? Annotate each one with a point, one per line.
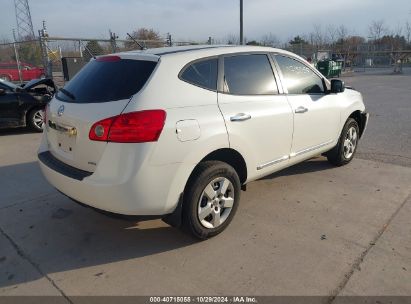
(63, 53)
(56, 56)
(49, 56)
(21, 61)
(362, 56)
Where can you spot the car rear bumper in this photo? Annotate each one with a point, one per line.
(120, 184)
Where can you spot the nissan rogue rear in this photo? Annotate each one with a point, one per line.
(176, 133)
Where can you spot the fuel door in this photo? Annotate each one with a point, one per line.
(188, 130)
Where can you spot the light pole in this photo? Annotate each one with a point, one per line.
(241, 23)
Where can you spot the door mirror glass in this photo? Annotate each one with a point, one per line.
(337, 86)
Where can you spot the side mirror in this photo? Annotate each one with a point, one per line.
(2, 91)
(337, 86)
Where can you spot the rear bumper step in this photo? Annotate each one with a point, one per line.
(53, 163)
(119, 184)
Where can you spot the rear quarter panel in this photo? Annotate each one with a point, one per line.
(181, 101)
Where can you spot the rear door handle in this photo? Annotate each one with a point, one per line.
(301, 110)
(240, 117)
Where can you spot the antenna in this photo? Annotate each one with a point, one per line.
(136, 42)
(23, 20)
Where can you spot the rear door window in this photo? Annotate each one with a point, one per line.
(202, 73)
(249, 75)
(104, 80)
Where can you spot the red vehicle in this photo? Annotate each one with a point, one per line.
(10, 72)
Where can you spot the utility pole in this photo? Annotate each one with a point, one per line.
(113, 43)
(168, 40)
(241, 22)
(43, 37)
(16, 54)
(23, 20)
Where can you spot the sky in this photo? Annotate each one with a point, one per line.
(199, 19)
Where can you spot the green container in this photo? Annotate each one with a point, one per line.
(330, 68)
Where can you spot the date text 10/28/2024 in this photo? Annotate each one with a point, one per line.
(203, 299)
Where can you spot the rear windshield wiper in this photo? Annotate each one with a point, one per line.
(71, 95)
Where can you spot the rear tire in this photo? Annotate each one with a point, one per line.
(347, 145)
(35, 119)
(211, 199)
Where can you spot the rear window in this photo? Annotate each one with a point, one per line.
(202, 73)
(107, 80)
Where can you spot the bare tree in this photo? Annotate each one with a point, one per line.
(331, 33)
(407, 30)
(353, 42)
(146, 34)
(4, 39)
(377, 29)
(270, 40)
(397, 43)
(342, 35)
(342, 32)
(317, 37)
(232, 39)
(149, 36)
(400, 30)
(341, 45)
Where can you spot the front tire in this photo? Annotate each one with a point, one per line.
(36, 119)
(347, 145)
(211, 199)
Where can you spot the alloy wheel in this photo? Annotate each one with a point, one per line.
(38, 119)
(216, 202)
(350, 142)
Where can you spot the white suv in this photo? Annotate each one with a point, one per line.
(176, 133)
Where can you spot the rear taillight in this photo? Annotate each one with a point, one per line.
(134, 127)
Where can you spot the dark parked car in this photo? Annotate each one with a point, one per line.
(22, 106)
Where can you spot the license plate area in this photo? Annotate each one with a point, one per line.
(65, 137)
(66, 143)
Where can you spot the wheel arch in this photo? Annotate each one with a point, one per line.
(231, 157)
(27, 112)
(360, 118)
(227, 155)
